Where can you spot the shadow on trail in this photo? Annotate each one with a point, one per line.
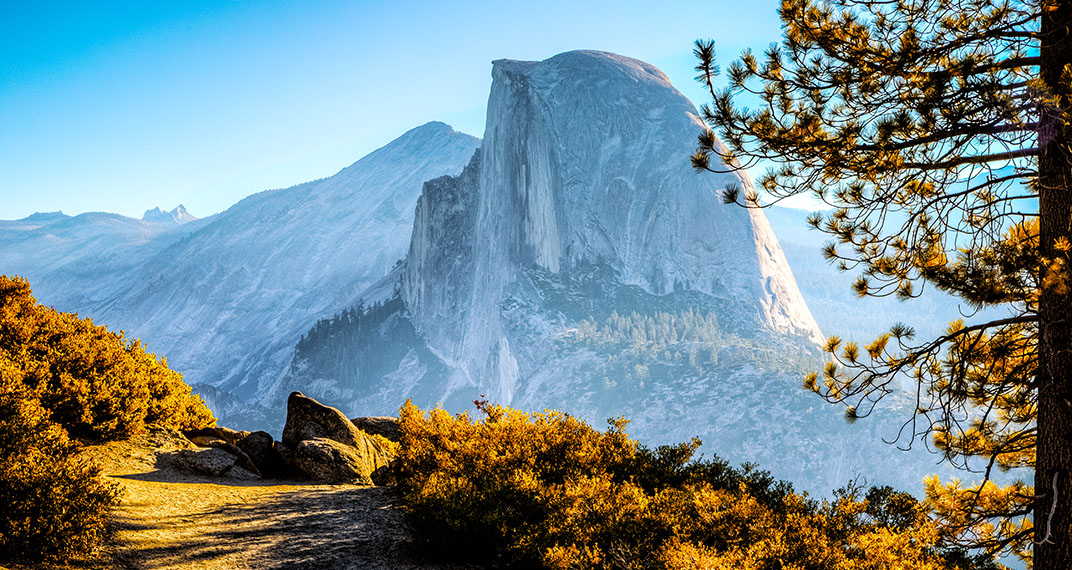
(319, 528)
(168, 475)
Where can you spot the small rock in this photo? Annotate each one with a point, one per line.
(226, 434)
(212, 461)
(385, 426)
(241, 459)
(260, 448)
(206, 440)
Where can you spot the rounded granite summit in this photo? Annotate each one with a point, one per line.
(579, 63)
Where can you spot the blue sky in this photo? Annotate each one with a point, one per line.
(124, 106)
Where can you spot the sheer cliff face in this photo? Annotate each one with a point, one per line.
(578, 263)
(585, 161)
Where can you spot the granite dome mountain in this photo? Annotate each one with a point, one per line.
(579, 263)
(572, 259)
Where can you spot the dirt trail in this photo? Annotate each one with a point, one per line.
(170, 519)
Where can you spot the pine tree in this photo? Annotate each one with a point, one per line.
(940, 131)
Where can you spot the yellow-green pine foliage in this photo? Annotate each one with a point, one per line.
(94, 382)
(52, 505)
(547, 490)
(939, 133)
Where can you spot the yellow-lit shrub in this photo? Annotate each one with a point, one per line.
(53, 505)
(547, 490)
(92, 381)
(61, 375)
(482, 489)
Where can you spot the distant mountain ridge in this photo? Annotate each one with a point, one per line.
(226, 297)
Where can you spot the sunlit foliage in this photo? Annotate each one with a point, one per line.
(939, 132)
(62, 376)
(54, 505)
(93, 382)
(547, 490)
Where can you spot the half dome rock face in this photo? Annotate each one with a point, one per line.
(589, 152)
(579, 263)
(585, 163)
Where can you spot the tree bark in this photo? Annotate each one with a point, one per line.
(1053, 463)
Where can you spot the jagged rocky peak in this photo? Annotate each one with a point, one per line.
(178, 215)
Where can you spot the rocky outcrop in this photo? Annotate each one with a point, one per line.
(319, 443)
(329, 461)
(309, 419)
(322, 444)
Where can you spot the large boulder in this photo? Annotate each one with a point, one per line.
(329, 461)
(260, 448)
(385, 426)
(309, 419)
(351, 457)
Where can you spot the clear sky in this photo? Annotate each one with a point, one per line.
(124, 106)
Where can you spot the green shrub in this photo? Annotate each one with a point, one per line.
(547, 490)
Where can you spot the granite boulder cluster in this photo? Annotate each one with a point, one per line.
(319, 443)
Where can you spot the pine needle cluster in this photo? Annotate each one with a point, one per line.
(939, 133)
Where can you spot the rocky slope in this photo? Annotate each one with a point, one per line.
(226, 298)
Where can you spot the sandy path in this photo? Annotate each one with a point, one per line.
(169, 519)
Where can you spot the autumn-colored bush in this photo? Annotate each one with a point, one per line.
(53, 504)
(63, 376)
(92, 381)
(547, 490)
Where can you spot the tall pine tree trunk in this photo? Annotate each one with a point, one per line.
(1053, 468)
